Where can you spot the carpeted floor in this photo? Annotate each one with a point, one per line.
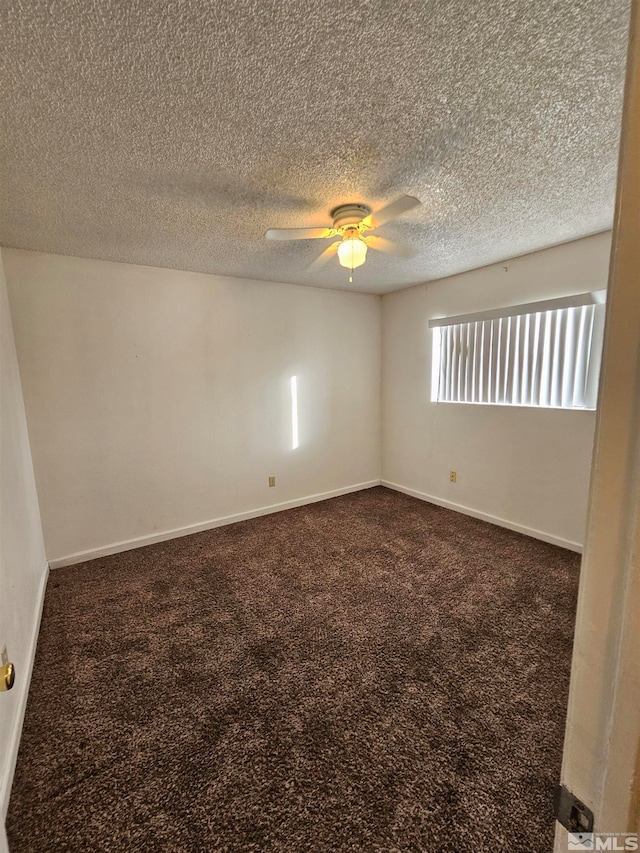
(370, 673)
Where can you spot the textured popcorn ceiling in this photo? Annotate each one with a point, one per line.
(176, 133)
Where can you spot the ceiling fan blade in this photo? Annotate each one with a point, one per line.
(299, 233)
(391, 211)
(322, 259)
(381, 244)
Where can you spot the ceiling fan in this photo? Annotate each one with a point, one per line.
(350, 222)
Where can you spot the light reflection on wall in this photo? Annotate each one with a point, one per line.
(294, 412)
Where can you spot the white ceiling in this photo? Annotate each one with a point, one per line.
(175, 134)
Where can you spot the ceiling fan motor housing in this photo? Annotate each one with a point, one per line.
(349, 215)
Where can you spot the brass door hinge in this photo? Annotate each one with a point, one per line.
(7, 676)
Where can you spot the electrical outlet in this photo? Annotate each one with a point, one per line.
(453, 477)
(272, 482)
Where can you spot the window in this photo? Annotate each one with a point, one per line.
(539, 354)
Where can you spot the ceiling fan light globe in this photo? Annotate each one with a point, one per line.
(352, 253)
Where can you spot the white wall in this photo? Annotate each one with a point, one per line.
(159, 399)
(526, 468)
(601, 760)
(23, 568)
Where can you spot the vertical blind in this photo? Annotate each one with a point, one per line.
(541, 358)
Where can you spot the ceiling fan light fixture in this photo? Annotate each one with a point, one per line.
(350, 221)
(352, 253)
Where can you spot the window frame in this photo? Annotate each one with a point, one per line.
(482, 371)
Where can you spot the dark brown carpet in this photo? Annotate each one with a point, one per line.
(371, 673)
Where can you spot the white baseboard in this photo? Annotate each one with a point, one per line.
(141, 541)
(485, 516)
(22, 684)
